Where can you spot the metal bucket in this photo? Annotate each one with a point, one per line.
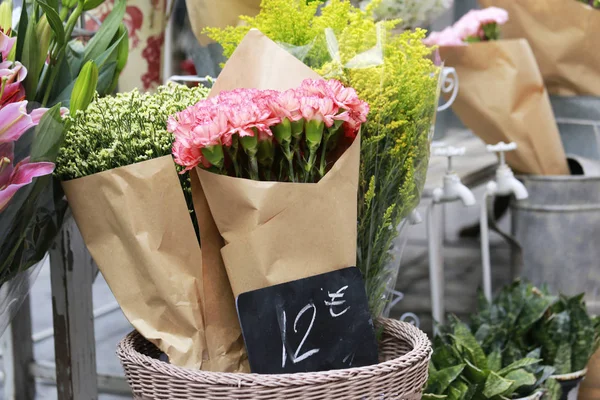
(558, 229)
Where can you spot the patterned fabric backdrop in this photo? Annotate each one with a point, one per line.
(146, 22)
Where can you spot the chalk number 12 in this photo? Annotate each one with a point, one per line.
(297, 357)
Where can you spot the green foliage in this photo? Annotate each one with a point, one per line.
(462, 370)
(399, 82)
(124, 129)
(567, 335)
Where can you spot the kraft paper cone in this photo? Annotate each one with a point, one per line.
(564, 37)
(502, 97)
(226, 350)
(590, 387)
(278, 232)
(136, 225)
(221, 14)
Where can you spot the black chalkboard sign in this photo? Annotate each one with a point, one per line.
(313, 324)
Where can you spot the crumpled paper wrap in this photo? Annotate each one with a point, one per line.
(275, 232)
(564, 36)
(136, 225)
(502, 97)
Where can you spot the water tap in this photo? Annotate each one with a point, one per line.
(453, 188)
(506, 183)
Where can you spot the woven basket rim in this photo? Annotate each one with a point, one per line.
(417, 339)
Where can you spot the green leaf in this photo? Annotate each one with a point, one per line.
(533, 310)
(30, 60)
(55, 22)
(91, 4)
(105, 77)
(23, 22)
(463, 337)
(443, 356)
(521, 378)
(110, 53)
(525, 362)
(495, 385)
(562, 362)
(553, 390)
(439, 380)
(431, 396)
(475, 374)
(582, 331)
(49, 135)
(105, 34)
(457, 390)
(494, 360)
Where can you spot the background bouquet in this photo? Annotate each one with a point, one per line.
(563, 36)
(487, 67)
(347, 43)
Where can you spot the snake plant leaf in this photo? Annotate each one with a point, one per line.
(533, 310)
(431, 396)
(495, 360)
(496, 385)
(458, 390)
(439, 380)
(512, 353)
(525, 362)
(553, 390)
(582, 333)
(562, 362)
(474, 374)
(464, 338)
(521, 378)
(443, 356)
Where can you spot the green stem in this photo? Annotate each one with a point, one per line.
(253, 167)
(233, 157)
(309, 177)
(323, 165)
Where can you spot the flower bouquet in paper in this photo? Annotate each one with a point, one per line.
(502, 95)
(563, 35)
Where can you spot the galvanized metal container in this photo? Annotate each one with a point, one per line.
(558, 228)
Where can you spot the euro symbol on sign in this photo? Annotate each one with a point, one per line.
(336, 301)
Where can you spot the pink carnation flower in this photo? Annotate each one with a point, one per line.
(469, 26)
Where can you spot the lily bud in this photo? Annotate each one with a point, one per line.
(122, 48)
(43, 34)
(85, 87)
(6, 16)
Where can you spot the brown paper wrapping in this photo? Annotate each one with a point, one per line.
(590, 387)
(564, 37)
(136, 225)
(278, 232)
(502, 97)
(219, 14)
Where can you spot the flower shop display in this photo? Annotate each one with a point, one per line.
(401, 87)
(502, 96)
(563, 36)
(129, 204)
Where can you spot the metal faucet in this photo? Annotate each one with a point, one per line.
(505, 185)
(451, 191)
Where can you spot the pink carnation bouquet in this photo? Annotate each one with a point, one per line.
(475, 26)
(288, 136)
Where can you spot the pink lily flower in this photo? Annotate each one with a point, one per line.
(11, 76)
(22, 174)
(6, 44)
(14, 120)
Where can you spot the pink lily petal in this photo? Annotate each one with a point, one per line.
(6, 44)
(37, 114)
(23, 175)
(14, 121)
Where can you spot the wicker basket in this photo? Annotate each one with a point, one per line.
(402, 373)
